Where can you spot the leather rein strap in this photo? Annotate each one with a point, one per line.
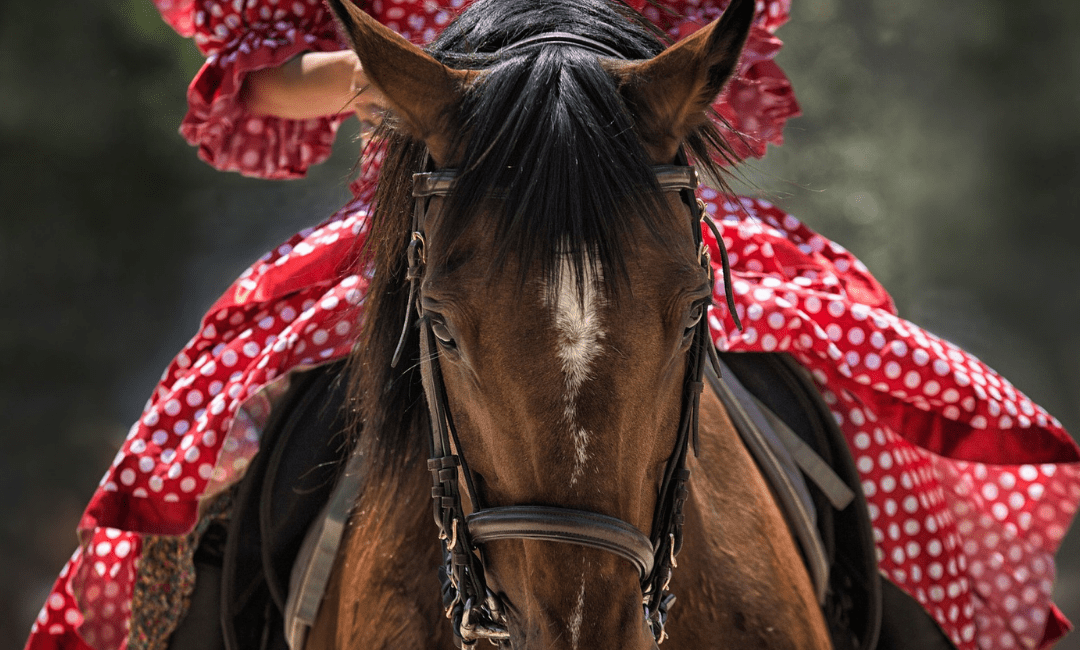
(474, 610)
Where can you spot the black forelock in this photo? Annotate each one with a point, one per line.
(546, 129)
(487, 26)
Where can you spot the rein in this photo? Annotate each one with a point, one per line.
(475, 611)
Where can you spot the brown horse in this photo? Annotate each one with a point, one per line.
(561, 291)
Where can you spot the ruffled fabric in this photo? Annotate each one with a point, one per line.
(263, 146)
(294, 309)
(966, 519)
(179, 14)
(757, 103)
(240, 38)
(971, 486)
(682, 18)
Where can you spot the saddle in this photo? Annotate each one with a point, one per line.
(291, 507)
(796, 443)
(243, 570)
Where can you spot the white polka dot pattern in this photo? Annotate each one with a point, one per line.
(102, 573)
(202, 426)
(973, 542)
(239, 37)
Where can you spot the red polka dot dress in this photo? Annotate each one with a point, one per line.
(971, 485)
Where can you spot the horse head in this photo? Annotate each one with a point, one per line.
(549, 248)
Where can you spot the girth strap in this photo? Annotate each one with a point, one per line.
(564, 525)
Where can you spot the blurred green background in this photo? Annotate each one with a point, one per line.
(940, 143)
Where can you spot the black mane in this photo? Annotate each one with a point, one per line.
(546, 128)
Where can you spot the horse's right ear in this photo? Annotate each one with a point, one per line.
(421, 91)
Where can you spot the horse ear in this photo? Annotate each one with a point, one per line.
(671, 93)
(421, 91)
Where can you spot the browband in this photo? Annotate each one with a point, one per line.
(563, 38)
(441, 183)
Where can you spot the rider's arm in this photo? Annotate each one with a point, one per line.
(311, 85)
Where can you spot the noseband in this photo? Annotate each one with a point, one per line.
(476, 612)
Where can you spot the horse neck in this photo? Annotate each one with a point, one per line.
(741, 577)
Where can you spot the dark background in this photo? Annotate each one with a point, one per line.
(940, 144)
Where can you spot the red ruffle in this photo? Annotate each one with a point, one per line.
(179, 14)
(970, 485)
(759, 101)
(232, 139)
(995, 475)
(678, 17)
(964, 522)
(756, 104)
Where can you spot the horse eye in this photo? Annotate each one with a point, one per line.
(442, 333)
(694, 317)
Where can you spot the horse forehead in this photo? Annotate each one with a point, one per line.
(575, 303)
(575, 299)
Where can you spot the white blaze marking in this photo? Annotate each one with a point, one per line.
(577, 616)
(578, 325)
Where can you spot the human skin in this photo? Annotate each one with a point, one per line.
(314, 84)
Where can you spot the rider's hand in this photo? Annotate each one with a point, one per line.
(368, 103)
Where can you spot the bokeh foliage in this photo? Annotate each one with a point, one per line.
(939, 144)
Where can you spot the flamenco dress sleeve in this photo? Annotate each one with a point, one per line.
(756, 103)
(237, 38)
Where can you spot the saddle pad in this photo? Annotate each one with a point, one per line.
(277, 502)
(796, 429)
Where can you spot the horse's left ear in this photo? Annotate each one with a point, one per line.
(421, 91)
(671, 93)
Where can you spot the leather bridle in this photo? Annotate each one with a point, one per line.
(476, 612)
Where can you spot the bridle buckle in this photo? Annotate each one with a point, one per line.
(417, 254)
